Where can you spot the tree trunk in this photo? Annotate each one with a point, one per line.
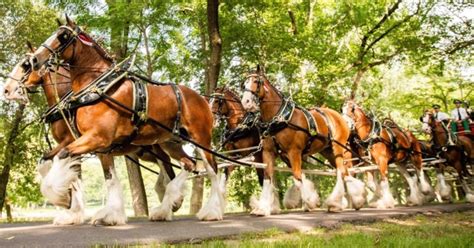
(312, 4)
(215, 42)
(119, 30)
(9, 153)
(213, 65)
(197, 194)
(139, 200)
(198, 182)
(8, 209)
(356, 83)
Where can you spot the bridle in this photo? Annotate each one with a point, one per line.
(65, 41)
(26, 65)
(260, 82)
(352, 119)
(219, 97)
(221, 102)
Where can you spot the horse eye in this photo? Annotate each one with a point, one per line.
(26, 66)
(63, 37)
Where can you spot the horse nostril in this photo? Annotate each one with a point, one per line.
(5, 92)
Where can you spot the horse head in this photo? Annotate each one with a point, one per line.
(351, 109)
(428, 121)
(14, 88)
(254, 90)
(216, 102)
(225, 104)
(66, 44)
(62, 43)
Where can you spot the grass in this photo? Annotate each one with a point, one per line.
(446, 230)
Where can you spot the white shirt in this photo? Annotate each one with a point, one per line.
(462, 111)
(441, 116)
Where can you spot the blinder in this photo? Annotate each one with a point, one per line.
(65, 39)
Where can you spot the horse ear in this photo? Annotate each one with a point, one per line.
(70, 22)
(58, 22)
(258, 69)
(30, 46)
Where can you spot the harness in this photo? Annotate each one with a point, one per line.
(280, 120)
(375, 135)
(140, 103)
(67, 106)
(247, 125)
(310, 121)
(179, 97)
(389, 125)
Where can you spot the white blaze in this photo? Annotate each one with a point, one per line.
(248, 100)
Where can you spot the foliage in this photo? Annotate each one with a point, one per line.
(16, 27)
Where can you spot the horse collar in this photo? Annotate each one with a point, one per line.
(281, 118)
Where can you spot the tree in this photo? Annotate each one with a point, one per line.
(120, 23)
(215, 42)
(19, 140)
(9, 153)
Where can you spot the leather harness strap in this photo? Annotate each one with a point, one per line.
(140, 103)
(310, 121)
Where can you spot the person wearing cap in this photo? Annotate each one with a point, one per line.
(459, 115)
(438, 115)
(470, 113)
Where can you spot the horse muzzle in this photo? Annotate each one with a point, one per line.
(16, 95)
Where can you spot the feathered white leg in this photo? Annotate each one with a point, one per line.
(356, 190)
(376, 196)
(309, 196)
(415, 197)
(174, 194)
(114, 212)
(161, 182)
(292, 198)
(386, 200)
(334, 201)
(425, 186)
(75, 214)
(215, 206)
(55, 186)
(443, 188)
(469, 193)
(268, 203)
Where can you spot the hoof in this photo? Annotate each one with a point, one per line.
(260, 212)
(470, 197)
(109, 217)
(177, 204)
(161, 214)
(334, 209)
(68, 217)
(292, 198)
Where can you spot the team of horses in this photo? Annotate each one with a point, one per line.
(71, 67)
